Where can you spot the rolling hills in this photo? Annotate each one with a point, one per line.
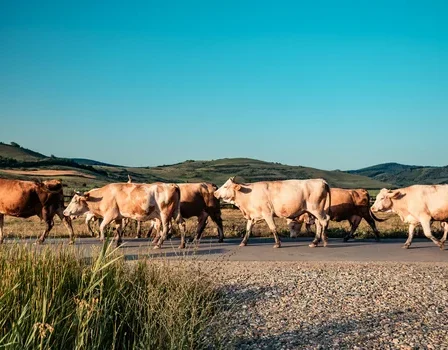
(405, 175)
(81, 172)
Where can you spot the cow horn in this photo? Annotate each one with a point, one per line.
(232, 178)
(78, 193)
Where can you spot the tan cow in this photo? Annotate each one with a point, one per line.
(24, 199)
(285, 199)
(352, 205)
(197, 200)
(141, 202)
(418, 204)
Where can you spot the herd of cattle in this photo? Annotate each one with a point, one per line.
(298, 201)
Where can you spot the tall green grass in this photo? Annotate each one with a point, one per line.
(53, 299)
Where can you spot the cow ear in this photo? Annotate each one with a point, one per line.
(237, 187)
(396, 195)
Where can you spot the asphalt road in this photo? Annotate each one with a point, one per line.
(260, 249)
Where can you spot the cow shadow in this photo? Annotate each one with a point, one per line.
(154, 254)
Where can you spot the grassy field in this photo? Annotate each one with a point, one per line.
(53, 299)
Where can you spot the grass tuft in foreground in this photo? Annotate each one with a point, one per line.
(52, 299)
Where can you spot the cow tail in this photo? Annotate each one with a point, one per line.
(327, 187)
(177, 215)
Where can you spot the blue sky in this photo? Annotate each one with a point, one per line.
(327, 84)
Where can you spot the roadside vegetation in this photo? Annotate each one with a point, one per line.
(54, 299)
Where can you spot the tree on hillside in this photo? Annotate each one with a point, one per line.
(14, 144)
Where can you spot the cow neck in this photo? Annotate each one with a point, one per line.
(399, 206)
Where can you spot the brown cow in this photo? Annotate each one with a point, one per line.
(198, 200)
(24, 199)
(418, 204)
(351, 205)
(141, 202)
(286, 199)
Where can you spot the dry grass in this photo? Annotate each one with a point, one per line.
(234, 226)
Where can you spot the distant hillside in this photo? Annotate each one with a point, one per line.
(19, 153)
(23, 163)
(85, 161)
(250, 170)
(405, 175)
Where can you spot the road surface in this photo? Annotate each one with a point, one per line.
(260, 249)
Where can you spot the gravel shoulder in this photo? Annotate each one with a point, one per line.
(312, 305)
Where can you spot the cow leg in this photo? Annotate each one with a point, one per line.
(49, 225)
(2, 221)
(216, 218)
(68, 224)
(139, 229)
(317, 235)
(202, 222)
(162, 237)
(408, 242)
(106, 221)
(426, 224)
(354, 221)
(249, 226)
(89, 228)
(270, 221)
(119, 229)
(183, 232)
(445, 234)
(322, 221)
(372, 224)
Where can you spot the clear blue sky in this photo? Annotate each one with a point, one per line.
(328, 84)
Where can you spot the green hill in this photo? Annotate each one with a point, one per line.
(14, 151)
(14, 157)
(405, 175)
(249, 170)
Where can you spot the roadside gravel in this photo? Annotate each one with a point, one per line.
(291, 305)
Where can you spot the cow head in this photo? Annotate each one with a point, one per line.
(227, 192)
(78, 205)
(383, 202)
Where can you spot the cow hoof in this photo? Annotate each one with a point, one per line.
(325, 244)
(119, 243)
(346, 239)
(71, 243)
(190, 240)
(1, 241)
(156, 247)
(406, 246)
(243, 244)
(277, 245)
(312, 245)
(38, 242)
(221, 241)
(182, 246)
